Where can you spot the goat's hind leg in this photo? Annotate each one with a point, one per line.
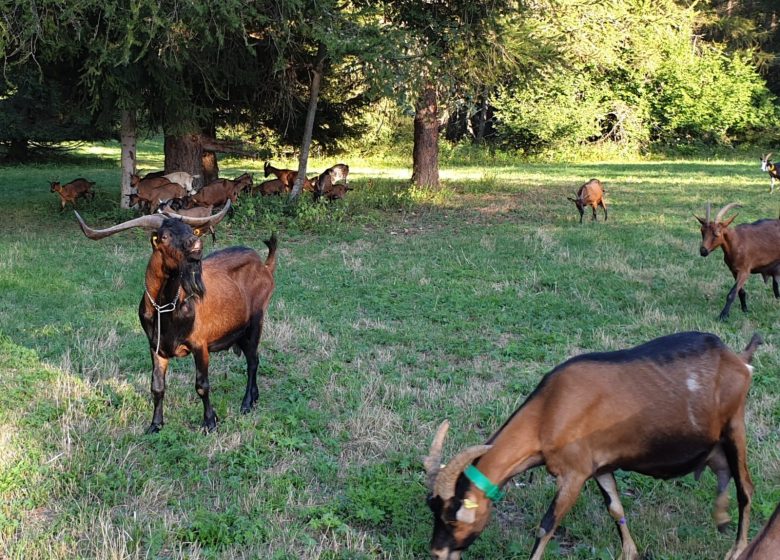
(609, 491)
(203, 388)
(735, 449)
(249, 346)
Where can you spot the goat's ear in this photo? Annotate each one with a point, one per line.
(727, 223)
(701, 220)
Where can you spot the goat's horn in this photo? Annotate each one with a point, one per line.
(147, 222)
(200, 222)
(444, 486)
(769, 155)
(433, 461)
(725, 209)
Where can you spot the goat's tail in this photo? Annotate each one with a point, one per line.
(270, 260)
(747, 353)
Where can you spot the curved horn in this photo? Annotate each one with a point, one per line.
(146, 222)
(212, 220)
(725, 209)
(433, 461)
(444, 486)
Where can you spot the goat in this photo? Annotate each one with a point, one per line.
(665, 408)
(69, 192)
(747, 249)
(182, 178)
(268, 188)
(179, 206)
(199, 306)
(220, 191)
(768, 167)
(134, 200)
(331, 176)
(766, 544)
(287, 177)
(326, 188)
(590, 194)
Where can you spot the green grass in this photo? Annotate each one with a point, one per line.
(394, 309)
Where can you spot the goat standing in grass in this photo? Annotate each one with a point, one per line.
(768, 167)
(747, 249)
(590, 194)
(70, 192)
(665, 409)
(199, 306)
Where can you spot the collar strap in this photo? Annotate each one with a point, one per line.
(482, 482)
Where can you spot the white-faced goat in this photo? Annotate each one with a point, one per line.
(747, 249)
(666, 408)
(768, 167)
(590, 194)
(199, 306)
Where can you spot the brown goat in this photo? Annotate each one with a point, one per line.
(747, 249)
(766, 544)
(272, 187)
(69, 192)
(287, 177)
(220, 191)
(590, 194)
(666, 408)
(329, 190)
(328, 178)
(199, 306)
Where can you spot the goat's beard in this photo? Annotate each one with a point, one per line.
(191, 279)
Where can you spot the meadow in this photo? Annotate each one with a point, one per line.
(394, 309)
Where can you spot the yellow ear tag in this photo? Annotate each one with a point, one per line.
(154, 239)
(470, 504)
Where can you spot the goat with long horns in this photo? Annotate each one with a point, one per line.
(747, 249)
(199, 305)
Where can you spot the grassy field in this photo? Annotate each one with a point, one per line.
(394, 309)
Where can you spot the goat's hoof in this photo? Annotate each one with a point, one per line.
(153, 428)
(209, 425)
(723, 527)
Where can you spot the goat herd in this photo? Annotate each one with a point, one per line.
(669, 407)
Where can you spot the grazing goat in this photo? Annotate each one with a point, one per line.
(199, 306)
(179, 206)
(330, 191)
(268, 188)
(331, 176)
(220, 191)
(666, 408)
(747, 249)
(766, 544)
(590, 194)
(768, 167)
(69, 192)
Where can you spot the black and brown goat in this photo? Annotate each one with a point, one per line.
(199, 306)
(666, 408)
(747, 249)
(590, 194)
(182, 207)
(768, 167)
(69, 192)
(766, 544)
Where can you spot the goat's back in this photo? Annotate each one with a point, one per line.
(625, 407)
(759, 242)
(591, 193)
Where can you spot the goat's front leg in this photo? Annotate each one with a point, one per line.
(595, 218)
(159, 368)
(569, 488)
(202, 387)
(775, 287)
(609, 491)
(741, 279)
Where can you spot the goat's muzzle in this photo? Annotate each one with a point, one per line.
(703, 251)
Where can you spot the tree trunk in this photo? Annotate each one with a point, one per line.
(185, 153)
(127, 140)
(482, 119)
(309, 127)
(425, 157)
(210, 166)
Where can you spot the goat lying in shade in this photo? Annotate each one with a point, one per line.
(199, 306)
(666, 408)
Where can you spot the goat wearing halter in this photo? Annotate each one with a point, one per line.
(666, 408)
(199, 306)
(747, 249)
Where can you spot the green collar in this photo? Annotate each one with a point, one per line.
(482, 482)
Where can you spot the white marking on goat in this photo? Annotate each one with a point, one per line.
(750, 368)
(692, 383)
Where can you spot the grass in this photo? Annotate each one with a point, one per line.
(394, 309)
